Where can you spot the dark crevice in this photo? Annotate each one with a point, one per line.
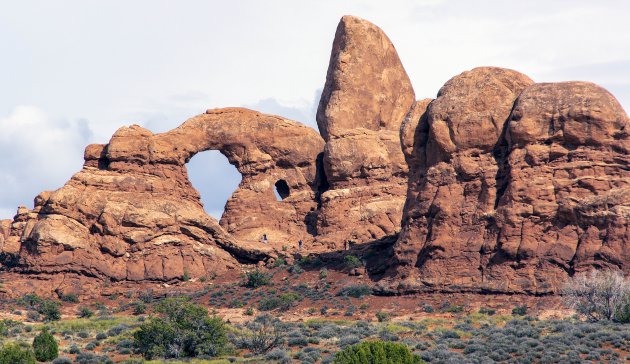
(103, 162)
(500, 152)
(322, 184)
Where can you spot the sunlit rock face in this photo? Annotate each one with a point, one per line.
(499, 184)
(514, 186)
(363, 104)
(131, 213)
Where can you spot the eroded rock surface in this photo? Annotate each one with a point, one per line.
(512, 194)
(365, 99)
(132, 214)
(499, 184)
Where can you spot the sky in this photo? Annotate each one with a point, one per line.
(72, 72)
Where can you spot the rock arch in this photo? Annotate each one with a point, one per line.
(131, 213)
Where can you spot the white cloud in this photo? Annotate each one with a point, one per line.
(37, 154)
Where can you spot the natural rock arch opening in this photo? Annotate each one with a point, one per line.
(214, 178)
(281, 190)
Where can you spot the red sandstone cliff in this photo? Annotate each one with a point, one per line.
(499, 184)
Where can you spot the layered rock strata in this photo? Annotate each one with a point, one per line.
(365, 99)
(514, 186)
(132, 214)
(499, 184)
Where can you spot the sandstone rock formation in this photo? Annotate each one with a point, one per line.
(516, 211)
(365, 99)
(499, 184)
(132, 214)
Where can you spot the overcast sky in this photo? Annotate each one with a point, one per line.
(72, 72)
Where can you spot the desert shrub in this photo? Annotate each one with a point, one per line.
(351, 262)
(450, 334)
(454, 309)
(182, 329)
(89, 358)
(7, 326)
(297, 341)
(279, 262)
(519, 310)
(487, 311)
(70, 297)
(260, 335)
(30, 300)
(117, 330)
(328, 331)
(283, 301)
(74, 349)
(91, 346)
(382, 316)
(348, 340)
(323, 273)
(13, 353)
(278, 355)
(236, 303)
(387, 335)
(139, 308)
(599, 295)
(124, 344)
(101, 336)
(356, 291)
(85, 312)
(377, 352)
(49, 310)
(309, 355)
(255, 279)
(249, 311)
(428, 308)
(295, 269)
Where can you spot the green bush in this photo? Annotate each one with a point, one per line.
(323, 273)
(6, 325)
(30, 300)
(279, 262)
(295, 269)
(50, 310)
(45, 346)
(377, 352)
(622, 312)
(283, 301)
(256, 279)
(519, 310)
(352, 262)
(85, 312)
(71, 297)
(382, 316)
(14, 354)
(454, 309)
(139, 308)
(182, 329)
(356, 291)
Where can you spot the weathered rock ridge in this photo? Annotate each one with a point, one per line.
(513, 186)
(132, 214)
(499, 184)
(365, 99)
